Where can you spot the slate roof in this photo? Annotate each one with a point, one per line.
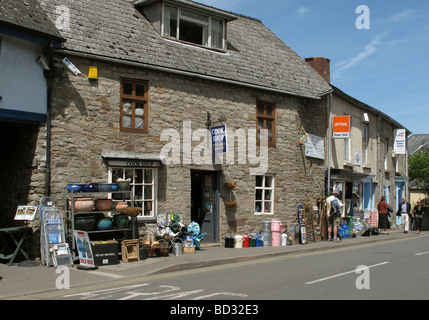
(418, 142)
(255, 55)
(28, 16)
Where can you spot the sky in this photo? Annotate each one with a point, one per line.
(379, 53)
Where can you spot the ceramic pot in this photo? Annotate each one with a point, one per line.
(84, 223)
(120, 221)
(103, 204)
(121, 206)
(74, 187)
(82, 204)
(104, 224)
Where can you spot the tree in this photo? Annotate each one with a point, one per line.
(418, 170)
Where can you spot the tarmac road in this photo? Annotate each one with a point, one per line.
(389, 270)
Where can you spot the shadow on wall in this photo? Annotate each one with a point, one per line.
(18, 144)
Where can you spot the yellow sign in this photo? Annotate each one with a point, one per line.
(93, 73)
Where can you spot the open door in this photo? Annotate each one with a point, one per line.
(205, 203)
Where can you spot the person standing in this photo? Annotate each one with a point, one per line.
(418, 213)
(383, 216)
(333, 215)
(404, 210)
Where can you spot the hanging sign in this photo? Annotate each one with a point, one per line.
(399, 145)
(218, 135)
(341, 127)
(86, 258)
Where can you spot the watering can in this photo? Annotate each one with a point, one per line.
(177, 247)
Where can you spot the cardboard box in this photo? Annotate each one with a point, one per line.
(105, 252)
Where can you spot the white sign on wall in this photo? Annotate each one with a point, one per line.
(315, 147)
(399, 145)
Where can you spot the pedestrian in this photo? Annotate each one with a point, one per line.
(383, 214)
(404, 210)
(418, 213)
(333, 215)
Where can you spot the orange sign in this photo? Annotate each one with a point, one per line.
(341, 127)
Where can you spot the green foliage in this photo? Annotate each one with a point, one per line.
(418, 170)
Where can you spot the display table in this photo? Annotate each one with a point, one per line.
(12, 240)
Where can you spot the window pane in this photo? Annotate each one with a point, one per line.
(148, 192)
(147, 209)
(138, 177)
(259, 180)
(195, 16)
(128, 88)
(267, 206)
(258, 206)
(268, 195)
(127, 108)
(129, 174)
(170, 21)
(261, 109)
(258, 194)
(148, 176)
(269, 110)
(268, 181)
(140, 90)
(217, 34)
(193, 32)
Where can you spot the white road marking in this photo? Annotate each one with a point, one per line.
(421, 253)
(342, 274)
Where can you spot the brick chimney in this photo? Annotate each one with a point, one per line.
(322, 66)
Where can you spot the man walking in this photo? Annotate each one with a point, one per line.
(404, 210)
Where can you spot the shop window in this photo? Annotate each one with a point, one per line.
(134, 106)
(266, 119)
(143, 188)
(264, 194)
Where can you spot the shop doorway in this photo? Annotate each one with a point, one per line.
(205, 202)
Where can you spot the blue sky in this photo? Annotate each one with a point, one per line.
(385, 66)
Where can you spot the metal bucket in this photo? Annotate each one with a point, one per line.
(177, 247)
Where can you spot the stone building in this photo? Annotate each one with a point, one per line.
(365, 164)
(167, 72)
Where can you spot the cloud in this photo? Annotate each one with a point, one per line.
(401, 15)
(302, 10)
(368, 50)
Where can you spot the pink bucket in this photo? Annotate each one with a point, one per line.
(275, 226)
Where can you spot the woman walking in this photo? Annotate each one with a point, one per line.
(383, 219)
(418, 213)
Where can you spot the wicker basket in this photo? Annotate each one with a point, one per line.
(189, 249)
(133, 211)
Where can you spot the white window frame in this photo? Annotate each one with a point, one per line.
(386, 150)
(365, 142)
(135, 185)
(347, 150)
(196, 21)
(263, 201)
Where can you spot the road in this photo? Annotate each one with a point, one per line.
(387, 270)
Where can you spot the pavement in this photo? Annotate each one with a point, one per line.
(20, 280)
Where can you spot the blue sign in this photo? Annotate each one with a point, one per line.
(218, 135)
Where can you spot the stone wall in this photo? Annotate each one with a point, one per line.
(85, 121)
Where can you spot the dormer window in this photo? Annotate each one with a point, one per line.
(184, 25)
(188, 22)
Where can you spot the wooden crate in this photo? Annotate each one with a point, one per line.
(130, 250)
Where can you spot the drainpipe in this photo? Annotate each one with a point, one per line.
(329, 145)
(49, 75)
